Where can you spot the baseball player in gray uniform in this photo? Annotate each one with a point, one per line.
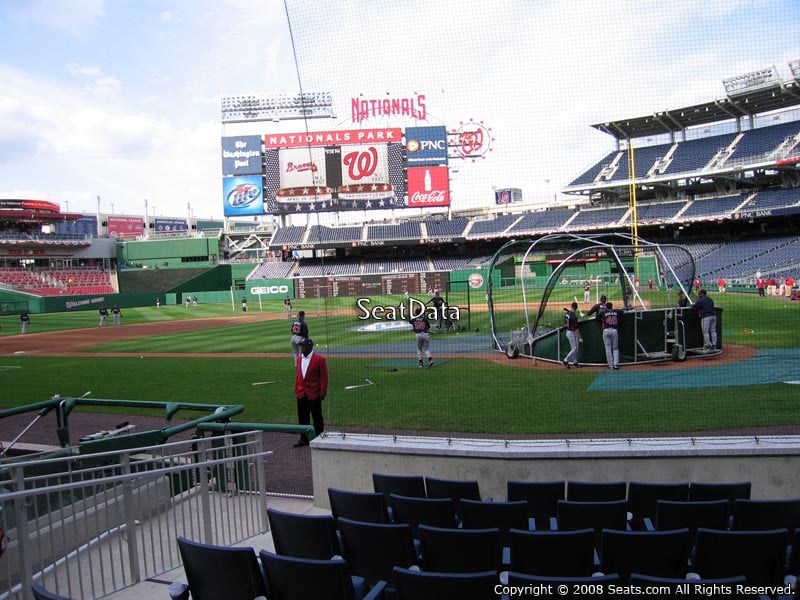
(299, 332)
(573, 336)
(708, 319)
(610, 324)
(422, 328)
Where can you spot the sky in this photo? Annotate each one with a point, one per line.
(119, 100)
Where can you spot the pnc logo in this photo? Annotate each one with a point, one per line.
(263, 290)
(433, 145)
(412, 145)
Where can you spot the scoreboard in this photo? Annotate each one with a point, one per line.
(369, 285)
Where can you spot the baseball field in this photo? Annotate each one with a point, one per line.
(215, 353)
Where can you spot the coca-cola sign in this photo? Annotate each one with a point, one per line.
(428, 186)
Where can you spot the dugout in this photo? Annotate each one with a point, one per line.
(526, 312)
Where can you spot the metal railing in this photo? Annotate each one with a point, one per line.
(88, 525)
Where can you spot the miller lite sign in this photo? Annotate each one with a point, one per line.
(428, 186)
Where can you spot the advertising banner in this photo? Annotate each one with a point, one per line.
(271, 288)
(241, 155)
(167, 225)
(85, 225)
(428, 186)
(42, 205)
(242, 196)
(125, 227)
(426, 146)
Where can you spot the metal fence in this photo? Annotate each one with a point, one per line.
(88, 525)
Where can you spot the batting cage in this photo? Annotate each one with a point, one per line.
(532, 285)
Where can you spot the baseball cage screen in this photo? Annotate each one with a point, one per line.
(541, 279)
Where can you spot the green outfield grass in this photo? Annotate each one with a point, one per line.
(464, 394)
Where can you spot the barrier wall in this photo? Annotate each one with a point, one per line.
(348, 461)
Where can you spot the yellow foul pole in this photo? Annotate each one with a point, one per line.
(632, 197)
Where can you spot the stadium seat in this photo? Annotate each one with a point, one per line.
(303, 536)
(359, 506)
(591, 491)
(456, 550)
(542, 498)
(40, 593)
(720, 491)
(420, 585)
(710, 514)
(659, 553)
(504, 516)
(373, 549)
(455, 489)
(758, 555)
(290, 578)
(643, 499)
(436, 512)
(596, 515)
(559, 553)
(221, 572)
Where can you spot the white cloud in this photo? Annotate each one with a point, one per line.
(83, 71)
(104, 86)
(71, 16)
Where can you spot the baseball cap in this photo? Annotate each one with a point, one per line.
(306, 342)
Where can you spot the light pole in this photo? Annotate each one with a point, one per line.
(146, 227)
(67, 203)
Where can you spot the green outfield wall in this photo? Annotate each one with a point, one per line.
(169, 254)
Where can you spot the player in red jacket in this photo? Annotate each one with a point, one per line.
(310, 387)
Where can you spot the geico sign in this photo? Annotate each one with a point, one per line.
(269, 289)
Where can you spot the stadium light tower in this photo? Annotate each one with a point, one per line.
(252, 108)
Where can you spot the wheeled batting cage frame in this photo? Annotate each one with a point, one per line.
(539, 279)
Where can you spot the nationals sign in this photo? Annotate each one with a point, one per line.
(333, 138)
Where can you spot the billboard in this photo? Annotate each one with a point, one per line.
(125, 227)
(166, 225)
(428, 186)
(507, 196)
(243, 195)
(86, 225)
(426, 146)
(358, 169)
(241, 155)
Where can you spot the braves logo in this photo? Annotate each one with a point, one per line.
(361, 164)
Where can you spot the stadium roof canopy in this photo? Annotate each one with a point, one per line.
(776, 96)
